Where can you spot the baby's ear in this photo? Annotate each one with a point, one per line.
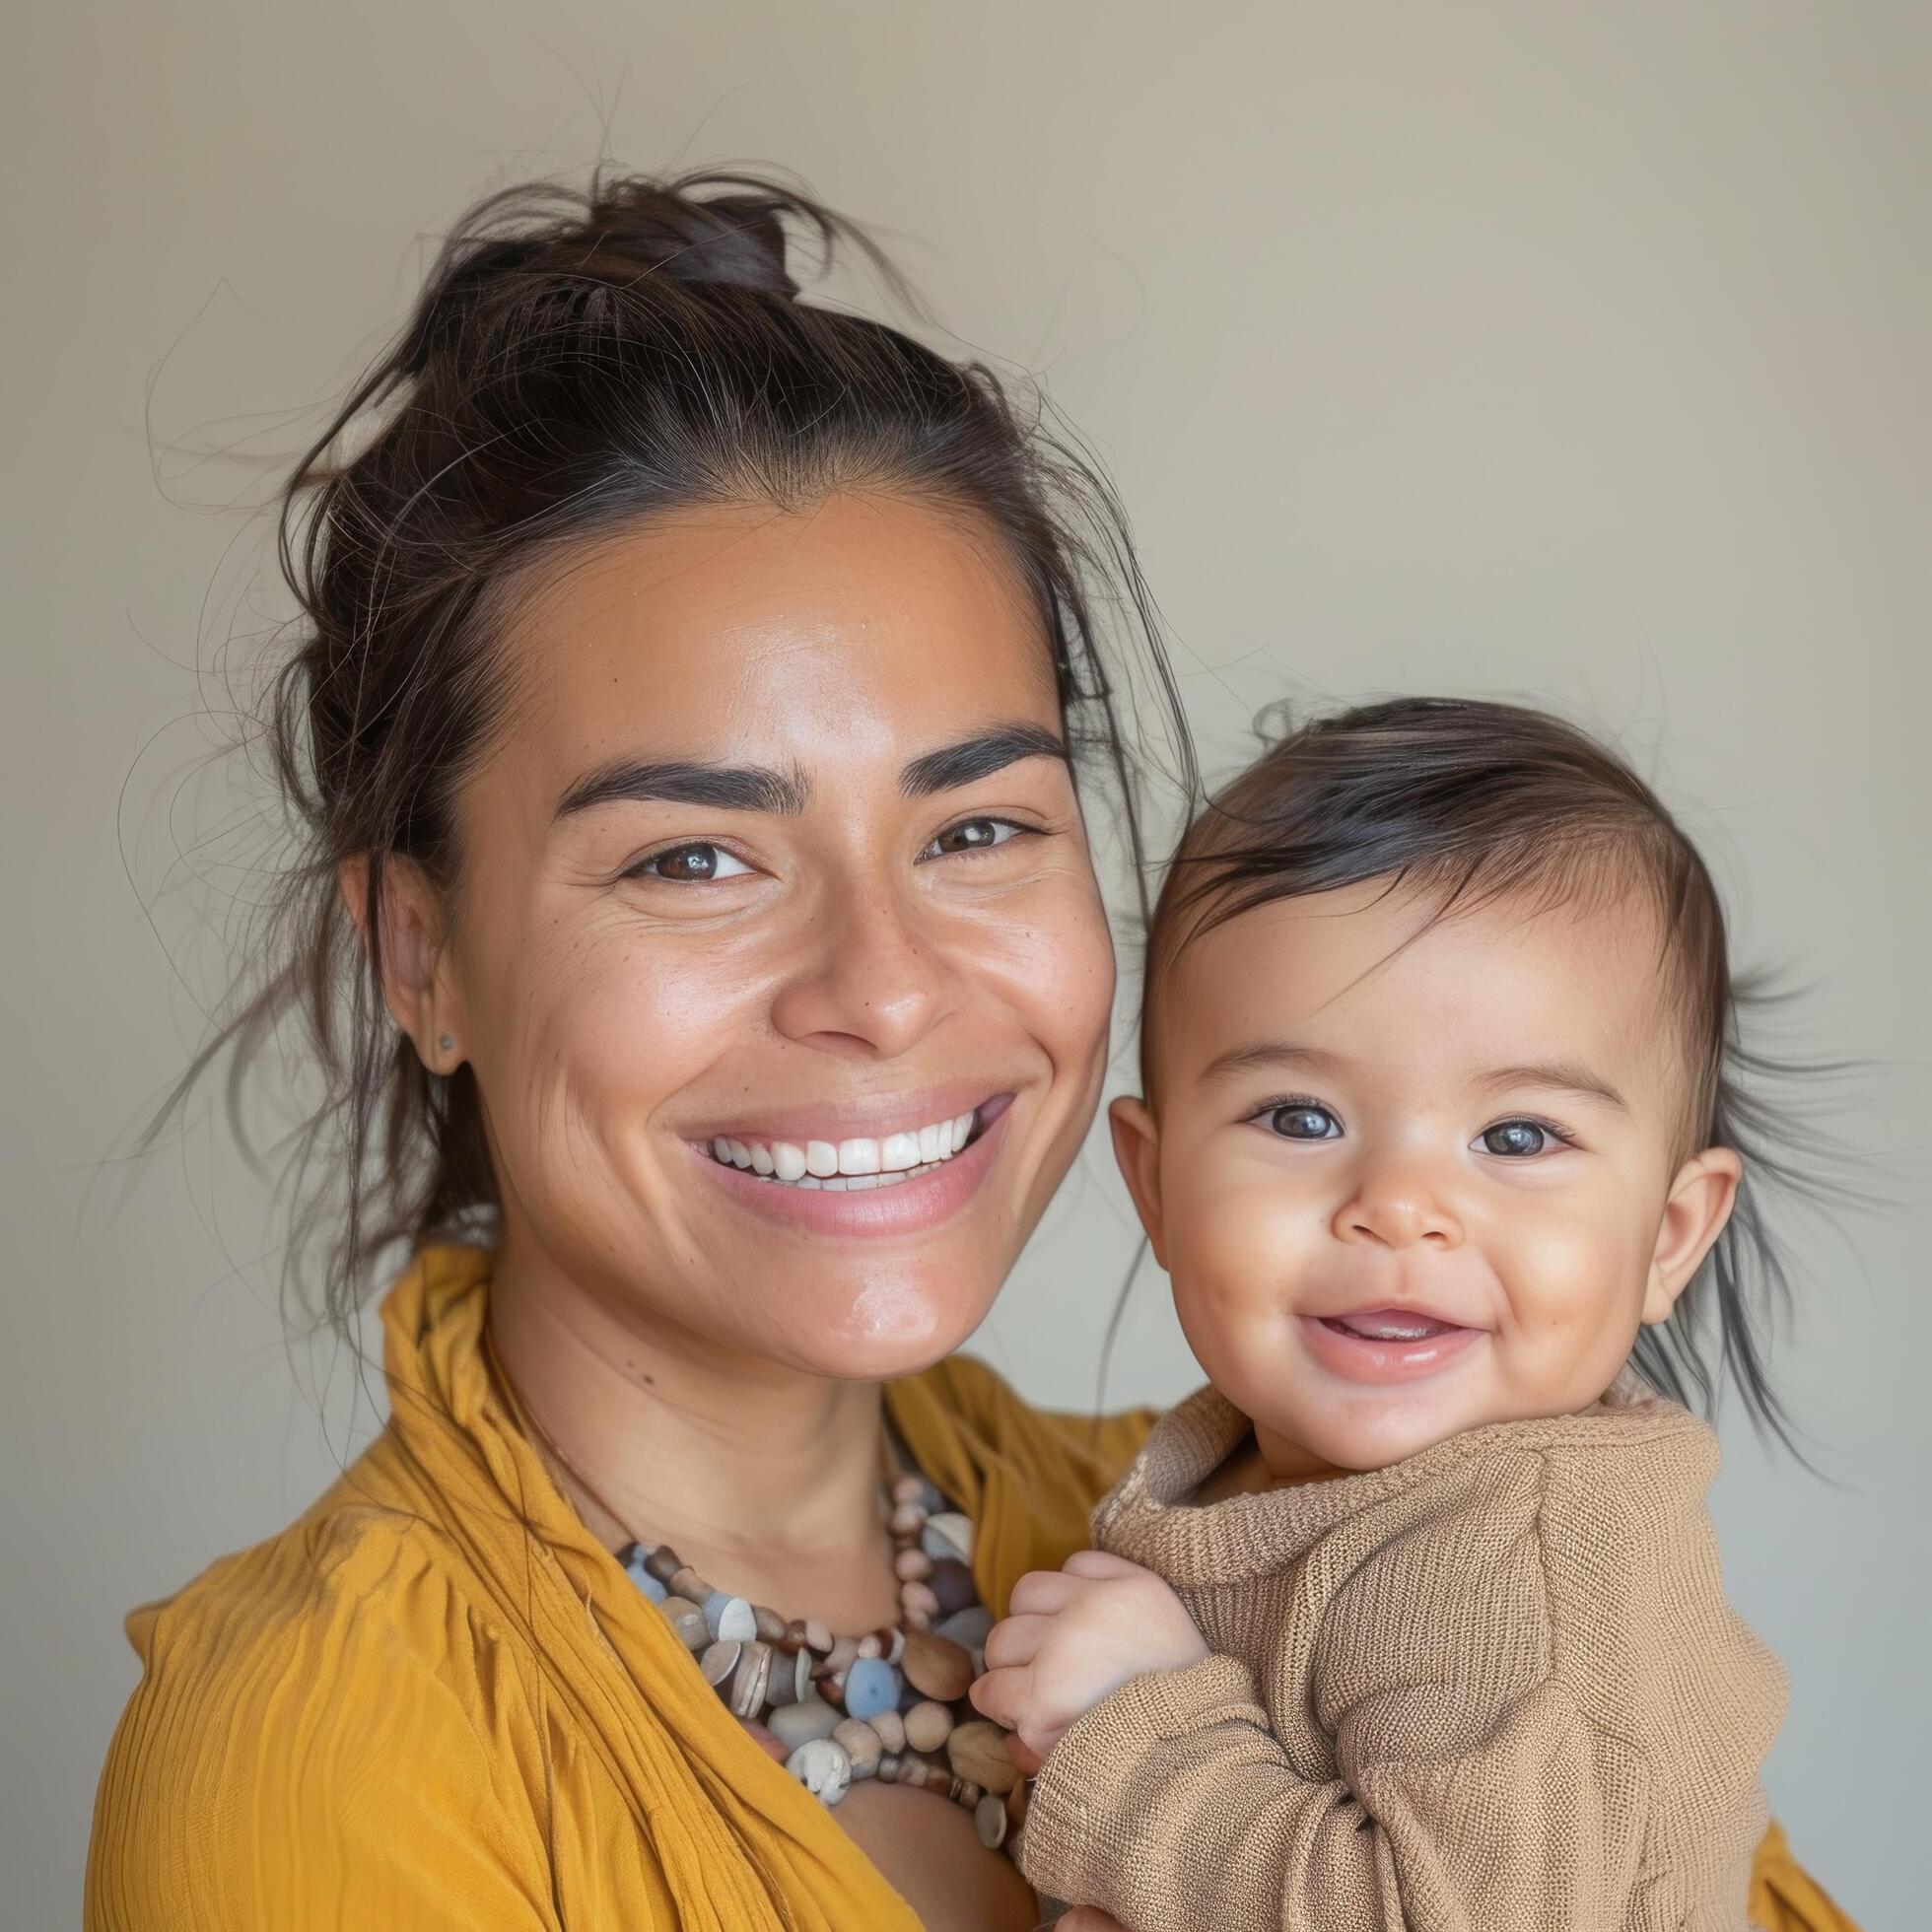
(1701, 1198)
(1137, 1146)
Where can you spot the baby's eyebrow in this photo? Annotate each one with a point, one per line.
(1260, 1055)
(1560, 1075)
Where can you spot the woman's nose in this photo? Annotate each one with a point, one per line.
(1397, 1206)
(866, 982)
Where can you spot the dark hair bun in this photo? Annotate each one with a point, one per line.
(735, 237)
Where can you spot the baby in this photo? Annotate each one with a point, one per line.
(1412, 1617)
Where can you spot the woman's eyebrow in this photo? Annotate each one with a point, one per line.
(687, 782)
(978, 757)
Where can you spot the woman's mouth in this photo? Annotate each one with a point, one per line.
(905, 1181)
(858, 1162)
(1385, 1344)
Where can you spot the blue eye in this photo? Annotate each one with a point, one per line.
(698, 863)
(1517, 1139)
(1303, 1120)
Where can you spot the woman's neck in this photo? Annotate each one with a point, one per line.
(762, 1478)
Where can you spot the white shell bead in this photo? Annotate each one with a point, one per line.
(823, 1769)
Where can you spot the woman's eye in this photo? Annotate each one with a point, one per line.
(1516, 1140)
(972, 835)
(1302, 1121)
(690, 864)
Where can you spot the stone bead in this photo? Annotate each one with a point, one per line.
(909, 1488)
(721, 1659)
(951, 1582)
(872, 1686)
(872, 1644)
(990, 1822)
(923, 1777)
(803, 1667)
(662, 1562)
(770, 1625)
(688, 1584)
(977, 1750)
(908, 1519)
(912, 1565)
(969, 1627)
(916, 1620)
(1017, 1803)
(637, 1567)
(730, 1618)
(891, 1728)
(782, 1681)
(928, 1725)
(947, 1534)
(889, 1763)
(794, 1635)
(966, 1792)
(937, 1666)
(818, 1639)
(688, 1621)
(799, 1723)
(823, 1769)
(918, 1600)
(843, 1654)
(751, 1679)
(860, 1745)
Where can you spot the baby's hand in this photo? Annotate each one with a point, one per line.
(1073, 1634)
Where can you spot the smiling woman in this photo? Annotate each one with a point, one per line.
(694, 728)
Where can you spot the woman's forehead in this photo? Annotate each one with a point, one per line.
(831, 637)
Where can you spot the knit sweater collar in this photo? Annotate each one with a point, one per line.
(1147, 1516)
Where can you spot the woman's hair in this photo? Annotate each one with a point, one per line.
(575, 362)
(1471, 802)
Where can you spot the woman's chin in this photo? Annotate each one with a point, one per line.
(888, 1329)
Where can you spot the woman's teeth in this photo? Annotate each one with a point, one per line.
(849, 1165)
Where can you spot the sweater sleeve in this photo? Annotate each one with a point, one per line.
(313, 1764)
(1173, 1805)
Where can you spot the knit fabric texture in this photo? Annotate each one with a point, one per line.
(1494, 1685)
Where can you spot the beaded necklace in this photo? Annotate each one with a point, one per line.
(890, 1705)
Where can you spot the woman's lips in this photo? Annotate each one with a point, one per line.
(908, 1207)
(1385, 1344)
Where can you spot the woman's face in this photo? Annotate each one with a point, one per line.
(780, 864)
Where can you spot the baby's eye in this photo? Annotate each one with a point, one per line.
(690, 864)
(1517, 1139)
(1303, 1120)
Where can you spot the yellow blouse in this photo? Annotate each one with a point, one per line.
(436, 1700)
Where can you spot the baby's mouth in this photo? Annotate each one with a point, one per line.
(1389, 1325)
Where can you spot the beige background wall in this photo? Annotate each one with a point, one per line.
(1575, 351)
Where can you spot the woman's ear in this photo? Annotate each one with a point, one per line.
(414, 958)
(1700, 1200)
(1137, 1146)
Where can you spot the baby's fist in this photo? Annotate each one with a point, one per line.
(1072, 1635)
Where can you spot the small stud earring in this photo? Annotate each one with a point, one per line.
(444, 1041)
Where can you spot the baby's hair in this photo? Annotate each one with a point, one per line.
(1473, 802)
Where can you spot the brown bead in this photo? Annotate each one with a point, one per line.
(769, 1625)
(966, 1792)
(843, 1654)
(990, 1822)
(687, 1584)
(831, 1686)
(750, 1679)
(721, 1659)
(795, 1635)
(908, 1519)
(662, 1563)
(1017, 1803)
(928, 1725)
(912, 1565)
(891, 1728)
(862, 1745)
(936, 1667)
(687, 1619)
(977, 1750)
(923, 1777)
(951, 1583)
(818, 1640)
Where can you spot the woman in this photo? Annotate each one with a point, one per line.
(686, 725)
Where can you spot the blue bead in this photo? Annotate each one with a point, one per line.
(641, 1577)
(871, 1686)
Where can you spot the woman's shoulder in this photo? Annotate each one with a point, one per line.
(307, 1708)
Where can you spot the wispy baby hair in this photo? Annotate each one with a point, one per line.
(1473, 802)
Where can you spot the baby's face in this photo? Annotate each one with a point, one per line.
(1413, 1178)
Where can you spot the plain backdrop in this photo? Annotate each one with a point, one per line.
(1538, 349)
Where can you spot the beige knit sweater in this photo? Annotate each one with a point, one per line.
(1493, 1687)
